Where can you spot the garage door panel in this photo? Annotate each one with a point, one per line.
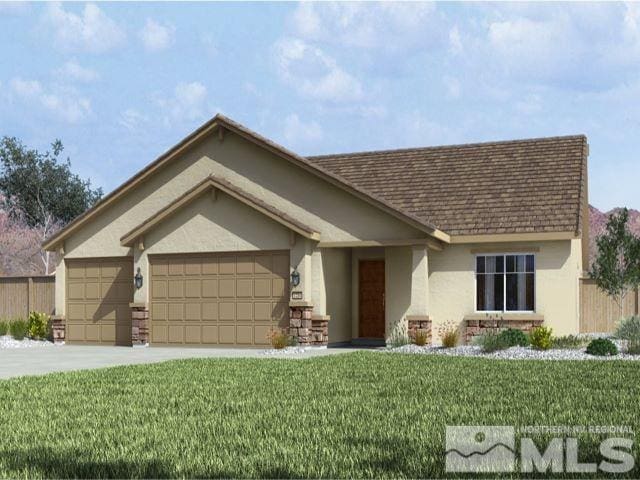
(159, 333)
(244, 334)
(98, 295)
(159, 289)
(192, 334)
(159, 311)
(193, 311)
(209, 311)
(176, 334)
(210, 334)
(176, 312)
(218, 299)
(227, 334)
(226, 288)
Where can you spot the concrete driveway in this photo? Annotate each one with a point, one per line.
(63, 358)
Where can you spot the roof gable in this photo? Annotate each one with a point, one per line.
(209, 184)
(221, 124)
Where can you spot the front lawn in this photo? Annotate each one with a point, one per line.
(365, 414)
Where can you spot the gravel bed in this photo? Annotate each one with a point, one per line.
(513, 353)
(7, 341)
(284, 351)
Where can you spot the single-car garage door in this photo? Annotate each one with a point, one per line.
(99, 291)
(218, 299)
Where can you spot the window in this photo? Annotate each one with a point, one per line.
(505, 283)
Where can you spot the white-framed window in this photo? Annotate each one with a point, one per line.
(505, 282)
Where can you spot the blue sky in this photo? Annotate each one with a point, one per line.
(119, 83)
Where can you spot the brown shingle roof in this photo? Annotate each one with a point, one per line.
(518, 186)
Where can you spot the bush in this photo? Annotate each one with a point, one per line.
(38, 325)
(514, 337)
(540, 338)
(421, 338)
(602, 347)
(449, 334)
(569, 341)
(279, 338)
(491, 342)
(398, 339)
(629, 329)
(18, 329)
(4, 328)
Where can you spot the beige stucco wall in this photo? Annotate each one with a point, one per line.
(332, 296)
(558, 264)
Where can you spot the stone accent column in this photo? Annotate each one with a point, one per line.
(419, 322)
(306, 328)
(58, 329)
(139, 324)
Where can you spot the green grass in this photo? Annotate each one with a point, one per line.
(364, 414)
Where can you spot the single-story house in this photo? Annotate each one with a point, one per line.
(227, 235)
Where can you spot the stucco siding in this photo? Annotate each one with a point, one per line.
(558, 263)
(336, 267)
(398, 268)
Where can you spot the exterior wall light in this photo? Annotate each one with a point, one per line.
(295, 277)
(138, 279)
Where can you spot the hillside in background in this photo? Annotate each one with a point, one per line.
(598, 222)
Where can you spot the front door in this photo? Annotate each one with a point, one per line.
(371, 298)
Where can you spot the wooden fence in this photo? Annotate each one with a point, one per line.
(599, 312)
(21, 295)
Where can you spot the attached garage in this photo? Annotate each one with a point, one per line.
(98, 294)
(218, 299)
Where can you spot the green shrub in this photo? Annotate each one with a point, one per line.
(491, 342)
(540, 338)
(4, 328)
(629, 329)
(38, 325)
(398, 339)
(569, 341)
(602, 347)
(514, 337)
(18, 329)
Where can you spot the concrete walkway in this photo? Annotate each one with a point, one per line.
(63, 358)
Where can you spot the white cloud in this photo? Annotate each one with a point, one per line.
(188, 103)
(72, 70)
(26, 88)
(298, 133)
(91, 31)
(389, 26)
(455, 41)
(131, 119)
(313, 73)
(156, 36)
(64, 102)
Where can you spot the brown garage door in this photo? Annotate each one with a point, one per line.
(98, 294)
(218, 299)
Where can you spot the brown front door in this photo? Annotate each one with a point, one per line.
(371, 298)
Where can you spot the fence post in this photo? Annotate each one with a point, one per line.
(30, 293)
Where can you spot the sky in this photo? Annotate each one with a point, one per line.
(120, 83)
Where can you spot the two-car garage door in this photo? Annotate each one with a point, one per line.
(221, 299)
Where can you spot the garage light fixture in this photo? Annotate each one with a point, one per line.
(295, 277)
(138, 279)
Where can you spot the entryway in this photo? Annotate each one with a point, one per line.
(371, 301)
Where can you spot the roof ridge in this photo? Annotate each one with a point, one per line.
(450, 146)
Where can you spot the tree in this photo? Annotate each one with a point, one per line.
(616, 268)
(40, 188)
